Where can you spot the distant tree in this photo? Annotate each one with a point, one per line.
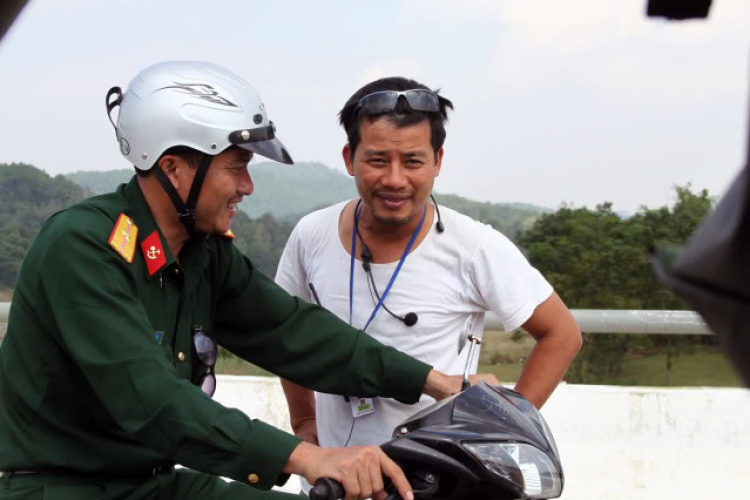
(13, 247)
(262, 240)
(28, 196)
(596, 260)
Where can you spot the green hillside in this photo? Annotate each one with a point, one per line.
(101, 181)
(290, 191)
(508, 218)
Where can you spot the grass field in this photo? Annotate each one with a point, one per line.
(708, 368)
(504, 356)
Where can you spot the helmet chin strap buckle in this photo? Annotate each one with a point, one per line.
(187, 219)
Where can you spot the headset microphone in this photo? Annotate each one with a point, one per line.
(440, 226)
(410, 319)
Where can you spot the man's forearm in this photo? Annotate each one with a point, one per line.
(547, 364)
(440, 386)
(301, 402)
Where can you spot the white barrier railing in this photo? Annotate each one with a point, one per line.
(594, 321)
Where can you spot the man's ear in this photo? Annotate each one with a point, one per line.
(438, 161)
(346, 153)
(170, 165)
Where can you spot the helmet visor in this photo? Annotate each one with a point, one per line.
(262, 141)
(272, 149)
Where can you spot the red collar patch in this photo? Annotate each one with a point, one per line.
(153, 253)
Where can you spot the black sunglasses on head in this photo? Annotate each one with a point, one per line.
(386, 100)
(206, 351)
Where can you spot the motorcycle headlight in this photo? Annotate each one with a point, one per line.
(541, 478)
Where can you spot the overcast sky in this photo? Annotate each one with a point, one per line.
(569, 101)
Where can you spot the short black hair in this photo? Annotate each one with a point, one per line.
(402, 116)
(191, 156)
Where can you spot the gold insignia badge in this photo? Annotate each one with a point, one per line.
(124, 237)
(229, 234)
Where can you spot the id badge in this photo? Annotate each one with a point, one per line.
(362, 406)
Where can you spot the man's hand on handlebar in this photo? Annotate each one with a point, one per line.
(359, 469)
(483, 377)
(440, 386)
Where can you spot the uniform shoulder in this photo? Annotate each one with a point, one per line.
(97, 214)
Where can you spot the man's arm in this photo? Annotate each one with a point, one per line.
(301, 402)
(558, 339)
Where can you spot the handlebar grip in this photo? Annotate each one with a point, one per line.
(326, 489)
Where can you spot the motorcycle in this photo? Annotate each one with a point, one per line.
(486, 442)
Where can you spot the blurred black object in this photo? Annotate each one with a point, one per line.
(678, 9)
(712, 272)
(9, 10)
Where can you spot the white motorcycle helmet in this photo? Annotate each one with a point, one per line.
(194, 104)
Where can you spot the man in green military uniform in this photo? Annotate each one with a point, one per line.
(106, 371)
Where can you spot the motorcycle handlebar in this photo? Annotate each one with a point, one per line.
(330, 489)
(326, 489)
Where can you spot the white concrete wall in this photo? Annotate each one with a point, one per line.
(616, 442)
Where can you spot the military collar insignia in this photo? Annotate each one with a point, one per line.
(124, 237)
(153, 253)
(229, 234)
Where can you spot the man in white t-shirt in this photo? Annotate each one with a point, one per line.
(388, 263)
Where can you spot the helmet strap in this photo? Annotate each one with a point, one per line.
(186, 210)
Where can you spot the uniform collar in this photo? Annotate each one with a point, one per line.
(144, 219)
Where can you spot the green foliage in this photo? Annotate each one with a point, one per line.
(596, 260)
(262, 240)
(28, 196)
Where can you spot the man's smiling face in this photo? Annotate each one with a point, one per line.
(226, 183)
(394, 169)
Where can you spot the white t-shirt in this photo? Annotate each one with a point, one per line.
(449, 281)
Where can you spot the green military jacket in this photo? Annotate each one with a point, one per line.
(97, 369)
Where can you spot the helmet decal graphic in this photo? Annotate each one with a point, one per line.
(201, 91)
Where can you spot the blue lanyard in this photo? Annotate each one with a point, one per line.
(393, 277)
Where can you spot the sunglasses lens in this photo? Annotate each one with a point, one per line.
(379, 102)
(422, 100)
(205, 348)
(208, 384)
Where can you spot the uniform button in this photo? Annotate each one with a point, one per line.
(2, 474)
(181, 356)
(177, 271)
(253, 478)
